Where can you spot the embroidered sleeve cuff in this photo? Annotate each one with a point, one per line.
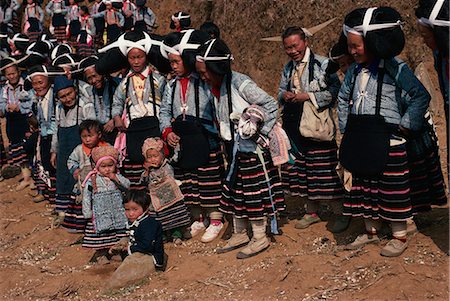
(166, 132)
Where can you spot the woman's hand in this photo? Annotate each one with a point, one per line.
(173, 139)
(53, 159)
(118, 122)
(109, 126)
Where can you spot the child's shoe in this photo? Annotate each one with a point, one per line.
(254, 247)
(196, 228)
(212, 232)
(38, 199)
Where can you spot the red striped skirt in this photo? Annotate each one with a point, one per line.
(249, 195)
(203, 186)
(313, 173)
(386, 197)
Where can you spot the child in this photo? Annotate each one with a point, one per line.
(144, 17)
(87, 31)
(166, 197)
(145, 245)
(69, 113)
(57, 9)
(187, 123)
(99, 23)
(380, 94)
(73, 21)
(102, 203)
(114, 21)
(79, 164)
(128, 12)
(34, 17)
(139, 97)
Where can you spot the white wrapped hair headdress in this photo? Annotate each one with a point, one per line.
(366, 26)
(207, 57)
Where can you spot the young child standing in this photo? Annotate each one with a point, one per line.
(79, 163)
(87, 31)
(34, 17)
(99, 23)
(57, 9)
(114, 21)
(73, 20)
(167, 204)
(102, 203)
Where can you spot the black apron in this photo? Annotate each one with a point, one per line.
(113, 31)
(58, 20)
(141, 128)
(74, 28)
(16, 126)
(68, 139)
(34, 25)
(99, 24)
(365, 145)
(194, 141)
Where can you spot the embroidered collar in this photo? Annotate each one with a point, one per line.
(139, 220)
(145, 73)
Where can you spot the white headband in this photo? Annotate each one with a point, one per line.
(125, 46)
(227, 57)
(366, 26)
(180, 47)
(179, 16)
(45, 73)
(16, 38)
(431, 21)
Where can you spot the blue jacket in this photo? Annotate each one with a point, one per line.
(404, 99)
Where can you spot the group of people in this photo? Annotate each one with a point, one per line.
(157, 139)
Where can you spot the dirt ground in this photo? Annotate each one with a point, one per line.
(38, 262)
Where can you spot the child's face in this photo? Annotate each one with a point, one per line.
(177, 65)
(153, 158)
(108, 5)
(357, 49)
(71, 2)
(30, 1)
(107, 168)
(68, 97)
(137, 59)
(90, 138)
(82, 13)
(133, 210)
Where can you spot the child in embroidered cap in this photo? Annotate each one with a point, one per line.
(166, 198)
(69, 113)
(102, 203)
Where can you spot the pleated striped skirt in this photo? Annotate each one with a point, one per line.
(17, 154)
(203, 186)
(388, 196)
(133, 172)
(249, 194)
(313, 173)
(173, 217)
(74, 220)
(60, 34)
(102, 240)
(427, 182)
